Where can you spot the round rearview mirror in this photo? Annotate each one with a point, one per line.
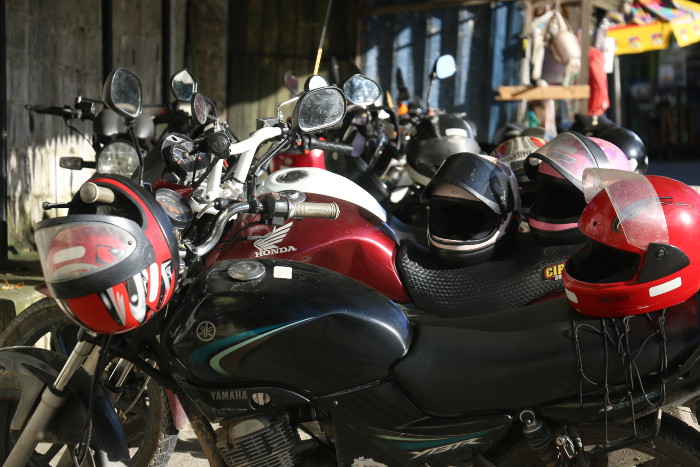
(445, 66)
(122, 93)
(315, 82)
(319, 109)
(361, 90)
(199, 109)
(291, 82)
(183, 85)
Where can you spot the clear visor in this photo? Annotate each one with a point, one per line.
(76, 249)
(640, 215)
(567, 154)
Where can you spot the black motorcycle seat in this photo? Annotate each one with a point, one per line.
(528, 357)
(528, 272)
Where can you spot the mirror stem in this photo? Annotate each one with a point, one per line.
(131, 125)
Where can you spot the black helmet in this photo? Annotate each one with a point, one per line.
(630, 144)
(474, 208)
(434, 139)
(538, 132)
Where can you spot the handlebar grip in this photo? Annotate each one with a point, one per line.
(340, 148)
(92, 193)
(322, 210)
(59, 111)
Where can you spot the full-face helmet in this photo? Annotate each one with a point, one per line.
(513, 153)
(641, 252)
(629, 143)
(436, 138)
(558, 169)
(110, 267)
(473, 207)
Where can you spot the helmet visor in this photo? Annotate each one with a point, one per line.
(569, 154)
(74, 250)
(640, 215)
(484, 177)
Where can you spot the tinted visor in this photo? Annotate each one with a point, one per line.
(569, 154)
(483, 177)
(82, 254)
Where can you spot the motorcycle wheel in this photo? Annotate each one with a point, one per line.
(148, 426)
(676, 445)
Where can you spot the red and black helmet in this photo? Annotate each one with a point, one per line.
(110, 267)
(642, 253)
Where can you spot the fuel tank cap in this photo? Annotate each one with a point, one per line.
(246, 270)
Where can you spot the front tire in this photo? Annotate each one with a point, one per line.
(676, 445)
(148, 426)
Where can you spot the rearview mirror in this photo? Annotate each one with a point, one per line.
(319, 109)
(183, 85)
(122, 93)
(291, 82)
(361, 90)
(445, 67)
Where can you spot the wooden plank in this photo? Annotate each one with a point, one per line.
(536, 93)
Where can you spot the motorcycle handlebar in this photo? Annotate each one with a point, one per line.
(313, 143)
(92, 193)
(319, 210)
(65, 112)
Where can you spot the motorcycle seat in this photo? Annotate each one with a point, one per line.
(527, 273)
(530, 356)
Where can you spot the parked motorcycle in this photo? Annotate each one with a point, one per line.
(268, 348)
(114, 149)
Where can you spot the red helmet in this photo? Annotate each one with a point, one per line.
(112, 267)
(642, 254)
(558, 168)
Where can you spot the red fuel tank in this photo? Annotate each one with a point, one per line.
(356, 244)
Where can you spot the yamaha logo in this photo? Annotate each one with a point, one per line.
(206, 331)
(267, 245)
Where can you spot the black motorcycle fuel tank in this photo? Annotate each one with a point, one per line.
(279, 322)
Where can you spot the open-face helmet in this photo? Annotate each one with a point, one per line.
(631, 144)
(641, 252)
(558, 169)
(110, 267)
(473, 208)
(436, 138)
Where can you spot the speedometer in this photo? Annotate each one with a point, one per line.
(175, 207)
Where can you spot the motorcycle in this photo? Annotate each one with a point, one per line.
(270, 348)
(114, 150)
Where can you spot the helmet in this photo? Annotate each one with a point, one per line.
(558, 167)
(473, 207)
(630, 144)
(508, 131)
(110, 268)
(641, 254)
(513, 153)
(435, 138)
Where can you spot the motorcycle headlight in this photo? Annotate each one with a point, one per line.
(118, 157)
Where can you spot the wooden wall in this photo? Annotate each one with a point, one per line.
(269, 37)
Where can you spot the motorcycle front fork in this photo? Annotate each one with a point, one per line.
(52, 399)
(54, 396)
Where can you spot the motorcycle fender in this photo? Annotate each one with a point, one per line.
(31, 369)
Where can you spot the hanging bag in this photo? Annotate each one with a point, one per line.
(562, 42)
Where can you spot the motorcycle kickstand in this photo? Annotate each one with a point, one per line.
(52, 398)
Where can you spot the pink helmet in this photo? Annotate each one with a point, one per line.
(558, 169)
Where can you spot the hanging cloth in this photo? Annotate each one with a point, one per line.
(599, 100)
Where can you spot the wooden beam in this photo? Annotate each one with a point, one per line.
(427, 5)
(539, 93)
